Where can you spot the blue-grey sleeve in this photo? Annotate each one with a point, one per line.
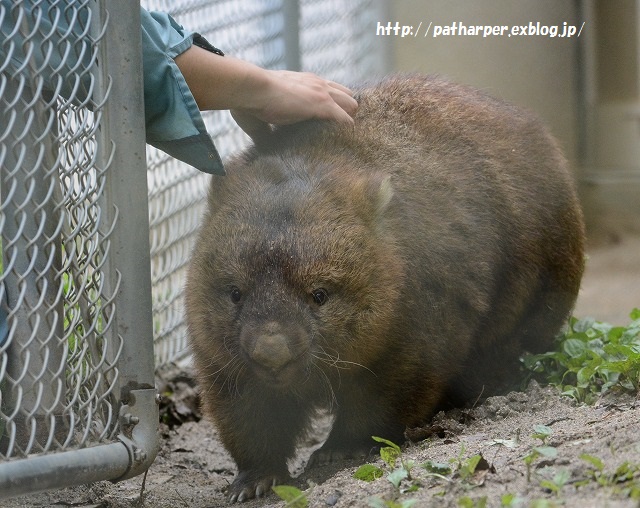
(40, 48)
(173, 122)
(41, 35)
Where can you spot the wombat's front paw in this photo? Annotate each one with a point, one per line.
(250, 484)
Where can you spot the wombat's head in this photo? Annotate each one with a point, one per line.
(293, 275)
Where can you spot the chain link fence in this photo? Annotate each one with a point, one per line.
(77, 397)
(83, 321)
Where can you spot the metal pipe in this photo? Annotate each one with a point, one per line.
(64, 469)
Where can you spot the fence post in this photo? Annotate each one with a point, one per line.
(291, 34)
(129, 265)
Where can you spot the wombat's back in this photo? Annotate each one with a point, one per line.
(489, 197)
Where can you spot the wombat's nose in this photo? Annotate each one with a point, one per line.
(272, 351)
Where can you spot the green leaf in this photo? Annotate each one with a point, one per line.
(593, 460)
(541, 432)
(472, 463)
(368, 473)
(389, 455)
(625, 472)
(547, 451)
(437, 467)
(562, 477)
(376, 502)
(414, 487)
(509, 443)
(583, 376)
(396, 476)
(467, 502)
(574, 347)
(548, 484)
(467, 468)
(584, 324)
(511, 500)
(387, 442)
(294, 497)
(635, 314)
(616, 333)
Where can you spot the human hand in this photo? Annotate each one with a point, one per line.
(288, 97)
(258, 97)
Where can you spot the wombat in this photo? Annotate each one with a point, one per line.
(380, 272)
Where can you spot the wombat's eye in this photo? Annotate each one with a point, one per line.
(320, 296)
(236, 295)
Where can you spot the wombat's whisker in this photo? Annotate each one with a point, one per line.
(216, 373)
(334, 361)
(326, 382)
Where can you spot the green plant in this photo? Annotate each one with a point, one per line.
(592, 358)
(377, 502)
(368, 473)
(541, 432)
(390, 455)
(558, 481)
(437, 469)
(292, 496)
(535, 453)
(468, 467)
(467, 502)
(509, 500)
(625, 479)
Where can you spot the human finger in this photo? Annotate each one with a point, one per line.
(344, 99)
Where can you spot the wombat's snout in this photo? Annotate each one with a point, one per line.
(275, 351)
(271, 350)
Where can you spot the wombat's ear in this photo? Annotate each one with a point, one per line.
(258, 131)
(263, 139)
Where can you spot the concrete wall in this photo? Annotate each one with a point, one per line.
(581, 87)
(610, 177)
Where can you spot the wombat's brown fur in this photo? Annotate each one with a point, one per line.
(381, 271)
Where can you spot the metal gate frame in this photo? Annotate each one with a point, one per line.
(122, 128)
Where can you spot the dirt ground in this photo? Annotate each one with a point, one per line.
(192, 469)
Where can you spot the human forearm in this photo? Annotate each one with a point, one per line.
(278, 97)
(217, 82)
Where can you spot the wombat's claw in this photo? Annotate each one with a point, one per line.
(246, 486)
